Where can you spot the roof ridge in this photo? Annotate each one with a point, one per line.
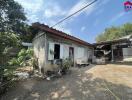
(57, 30)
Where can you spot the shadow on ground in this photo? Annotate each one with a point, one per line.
(75, 86)
(122, 63)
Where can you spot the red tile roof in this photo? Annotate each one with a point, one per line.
(46, 28)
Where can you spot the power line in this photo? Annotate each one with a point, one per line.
(74, 13)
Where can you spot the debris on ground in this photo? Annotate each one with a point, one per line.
(22, 75)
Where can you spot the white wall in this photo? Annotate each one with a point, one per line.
(127, 54)
(80, 51)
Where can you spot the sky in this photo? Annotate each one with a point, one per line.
(87, 24)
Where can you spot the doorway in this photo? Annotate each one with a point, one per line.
(118, 54)
(57, 51)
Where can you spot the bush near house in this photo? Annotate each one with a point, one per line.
(58, 68)
(24, 58)
(7, 42)
(66, 64)
(7, 72)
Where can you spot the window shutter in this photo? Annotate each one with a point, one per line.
(50, 51)
(80, 52)
(66, 51)
(61, 51)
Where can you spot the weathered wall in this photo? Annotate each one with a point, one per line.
(39, 51)
(127, 54)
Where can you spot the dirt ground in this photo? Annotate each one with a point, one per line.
(94, 82)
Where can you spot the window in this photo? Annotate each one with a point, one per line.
(55, 51)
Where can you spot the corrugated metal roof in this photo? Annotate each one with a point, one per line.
(127, 38)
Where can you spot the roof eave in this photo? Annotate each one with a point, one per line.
(59, 33)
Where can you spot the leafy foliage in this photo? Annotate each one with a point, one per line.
(13, 19)
(9, 72)
(23, 58)
(12, 16)
(7, 41)
(66, 64)
(115, 33)
(12, 30)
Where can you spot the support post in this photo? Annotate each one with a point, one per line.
(46, 53)
(112, 54)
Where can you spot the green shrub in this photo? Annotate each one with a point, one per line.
(13, 62)
(9, 72)
(66, 64)
(24, 58)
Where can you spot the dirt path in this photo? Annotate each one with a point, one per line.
(82, 84)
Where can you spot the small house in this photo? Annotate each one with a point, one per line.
(51, 45)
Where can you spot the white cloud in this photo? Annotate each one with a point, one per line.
(81, 4)
(66, 30)
(77, 6)
(33, 18)
(53, 10)
(31, 5)
(117, 17)
(50, 10)
(63, 28)
(83, 28)
(99, 5)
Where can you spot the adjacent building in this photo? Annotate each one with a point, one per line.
(113, 51)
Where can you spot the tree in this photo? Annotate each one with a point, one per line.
(12, 16)
(12, 20)
(8, 40)
(12, 25)
(115, 32)
(28, 33)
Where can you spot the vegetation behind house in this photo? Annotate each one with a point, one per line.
(115, 32)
